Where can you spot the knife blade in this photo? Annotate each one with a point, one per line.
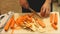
(35, 14)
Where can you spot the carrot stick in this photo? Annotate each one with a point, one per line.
(17, 22)
(12, 24)
(56, 19)
(40, 22)
(8, 24)
(54, 26)
(51, 18)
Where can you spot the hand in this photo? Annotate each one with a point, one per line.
(24, 4)
(45, 9)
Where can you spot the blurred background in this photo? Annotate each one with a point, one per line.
(56, 5)
(9, 5)
(14, 5)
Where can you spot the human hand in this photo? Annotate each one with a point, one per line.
(24, 4)
(45, 9)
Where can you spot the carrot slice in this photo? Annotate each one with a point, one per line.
(54, 26)
(56, 19)
(12, 24)
(8, 24)
(40, 22)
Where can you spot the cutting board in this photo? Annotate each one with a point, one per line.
(48, 30)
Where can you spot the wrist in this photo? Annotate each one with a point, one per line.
(48, 1)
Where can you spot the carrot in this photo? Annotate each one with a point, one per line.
(56, 19)
(54, 26)
(51, 18)
(40, 22)
(23, 18)
(17, 22)
(29, 19)
(12, 24)
(8, 24)
(20, 20)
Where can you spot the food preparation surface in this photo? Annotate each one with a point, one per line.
(47, 30)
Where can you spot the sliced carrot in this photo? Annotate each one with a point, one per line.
(56, 19)
(20, 20)
(12, 24)
(17, 22)
(23, 18)
(54, 26)
(29, 19)
(40, 22)
(8, 24)
(51, 18)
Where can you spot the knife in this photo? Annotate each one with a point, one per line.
(35, 14)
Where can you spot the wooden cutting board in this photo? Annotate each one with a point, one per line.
(48, 30)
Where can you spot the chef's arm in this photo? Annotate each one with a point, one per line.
(48, 1)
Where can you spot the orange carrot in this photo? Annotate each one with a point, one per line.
(12, 24)
(56, 19)
(20, 20)
(17, 22)
(29, 19)
(8, 24)
(40, 22)
(54, 26)
(51, 18)
(23, 18)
